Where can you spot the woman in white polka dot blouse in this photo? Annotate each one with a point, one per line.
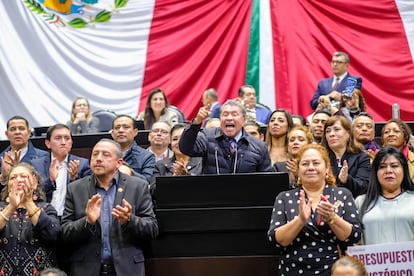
(311, 222)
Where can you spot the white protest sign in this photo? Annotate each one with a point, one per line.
(387, 259)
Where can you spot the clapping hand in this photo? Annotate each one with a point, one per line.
(73, 169)
(123, 214)
(343, 173)
(93, 209)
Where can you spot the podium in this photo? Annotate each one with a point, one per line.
(215, 225)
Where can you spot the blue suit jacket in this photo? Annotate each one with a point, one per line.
(215, 110)
(42, 165)
(325, 87)
(32, 153)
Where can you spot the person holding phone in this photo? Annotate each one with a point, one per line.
(351, 105)
(333, 86)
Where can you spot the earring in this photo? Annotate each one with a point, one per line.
(326, 176)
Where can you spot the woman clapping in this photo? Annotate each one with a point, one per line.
(310, 222)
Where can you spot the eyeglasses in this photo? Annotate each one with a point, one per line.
(161, 131)
(339, 62)
(82, 104)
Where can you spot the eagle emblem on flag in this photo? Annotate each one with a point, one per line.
(76, 13)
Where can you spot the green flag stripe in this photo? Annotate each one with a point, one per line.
(253, 64)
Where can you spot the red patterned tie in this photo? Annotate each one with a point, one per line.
(335, 84)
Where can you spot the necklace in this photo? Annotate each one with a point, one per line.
(393, 197)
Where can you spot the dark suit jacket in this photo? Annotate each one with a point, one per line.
(42, 165)
(32, 153)
(325, 87)
(359, 170)
(126, 240)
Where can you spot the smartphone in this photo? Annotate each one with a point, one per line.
(350, 86)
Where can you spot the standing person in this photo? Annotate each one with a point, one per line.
(333, 86)
(280, 123)
(255, 112)
(156, 109)
(310, 222)
(228, 149)
(107, 217)
(397, 134)
(81, 119)
(350, 164)
(210, 98)
(29, 226)
(159, 139)
(387, 209)
(137, 160)
(20, 149)
(60, 167)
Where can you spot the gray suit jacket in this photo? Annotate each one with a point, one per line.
(126, 240)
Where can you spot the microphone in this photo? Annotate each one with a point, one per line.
(396, 111)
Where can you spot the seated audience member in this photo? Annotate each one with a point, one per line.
(397, 133)
(363, 130)
(350, 163)
(387, 209)
(108, 217)
(317, 124)
(298, 120)
(20, 149)
(349, 107)
(297, 138)
(212, 122)
(179, 163)
(280, 122)
(227, 149)
(159, 139)
(349, 266)
(137, 160)
(59, 168)
(51, 271)
(333, 86)
(210, 99)
(254, 112)
(156, 109)
(81, 119)
(29, 226)
(254, 129)
(310, 222)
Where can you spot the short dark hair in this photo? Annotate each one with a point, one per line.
(51, 129)
(127, 116)
(17, 117)
(241, 89)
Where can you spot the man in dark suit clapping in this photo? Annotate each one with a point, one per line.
(107, 217)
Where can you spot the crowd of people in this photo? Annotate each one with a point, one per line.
(91, 216)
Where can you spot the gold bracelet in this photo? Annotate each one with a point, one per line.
(4, 217)
(332, 219)
(34, 212)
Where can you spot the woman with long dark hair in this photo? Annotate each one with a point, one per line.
(387, 209)
(156, 109)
